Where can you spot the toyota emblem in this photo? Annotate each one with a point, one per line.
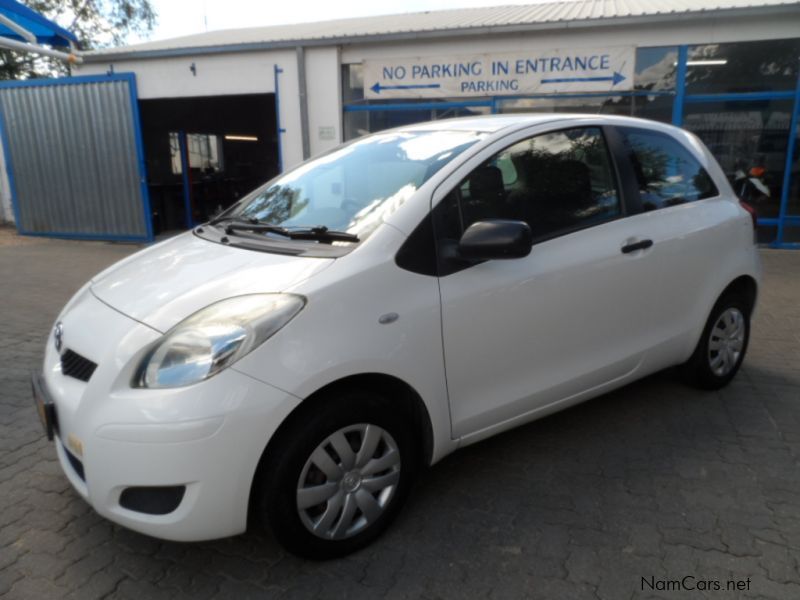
(58, 336)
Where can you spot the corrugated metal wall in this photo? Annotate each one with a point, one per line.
(72, 152)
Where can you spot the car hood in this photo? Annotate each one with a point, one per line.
(164, 284)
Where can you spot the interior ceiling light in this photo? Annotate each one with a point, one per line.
(704, 63)
(241, 138)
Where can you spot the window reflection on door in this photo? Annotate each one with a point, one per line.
(666, 173)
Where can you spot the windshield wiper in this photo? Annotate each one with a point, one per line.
(256, 227)
(318, 234)
(322, 234)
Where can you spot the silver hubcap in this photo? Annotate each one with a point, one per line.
(348, 481)
(726, 342)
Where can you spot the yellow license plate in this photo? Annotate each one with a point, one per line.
(44, 405)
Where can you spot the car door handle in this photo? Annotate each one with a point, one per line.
(640, 245)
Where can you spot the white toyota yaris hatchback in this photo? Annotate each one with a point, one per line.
(299, 358)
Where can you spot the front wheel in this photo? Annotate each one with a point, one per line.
(722, 346)
(336, 477)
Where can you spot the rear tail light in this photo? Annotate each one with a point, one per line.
(752, 212)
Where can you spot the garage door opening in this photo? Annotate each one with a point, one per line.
(205, 153)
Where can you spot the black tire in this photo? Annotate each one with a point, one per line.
(288, 454)
(698, 370)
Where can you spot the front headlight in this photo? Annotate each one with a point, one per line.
(214, 338)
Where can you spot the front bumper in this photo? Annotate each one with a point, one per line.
(206, 439)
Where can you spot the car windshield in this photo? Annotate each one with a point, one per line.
(353, 188)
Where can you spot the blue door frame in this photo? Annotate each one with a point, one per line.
(183, 148)
(681, 99)
(279, 131)
(130, 78)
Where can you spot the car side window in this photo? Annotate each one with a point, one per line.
(666, 173)
(556, 182)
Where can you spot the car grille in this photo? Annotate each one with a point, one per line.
(75, 365)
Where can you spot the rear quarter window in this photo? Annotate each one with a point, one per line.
(666, 173)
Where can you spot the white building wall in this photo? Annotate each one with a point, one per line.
(214, 75)
(289, 108)
(323, 86)
(220, 75)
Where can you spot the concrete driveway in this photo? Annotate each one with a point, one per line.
(618, 498)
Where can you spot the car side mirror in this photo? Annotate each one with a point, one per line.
(496, 239)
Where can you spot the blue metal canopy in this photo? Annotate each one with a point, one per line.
(46, 31)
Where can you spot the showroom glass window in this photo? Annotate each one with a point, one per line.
(746, 137)
(765, 66)
(666, 173)
(360, 123)
(556, 182)
(352, 83)
(657, 107)
(656, 69)
(794, 191)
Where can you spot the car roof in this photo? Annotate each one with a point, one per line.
(485, 123)
(495, 123)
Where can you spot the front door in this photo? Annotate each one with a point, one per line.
(523, 334)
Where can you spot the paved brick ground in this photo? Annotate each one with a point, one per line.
(655, 480)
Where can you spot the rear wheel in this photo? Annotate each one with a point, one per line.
(722, 346)
(337, 475)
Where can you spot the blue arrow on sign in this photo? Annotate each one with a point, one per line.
(378, 87)
(614, 79)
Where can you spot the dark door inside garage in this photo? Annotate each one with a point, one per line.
(205, 153)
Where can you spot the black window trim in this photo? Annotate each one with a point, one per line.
(620, 156)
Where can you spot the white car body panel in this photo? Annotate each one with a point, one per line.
(485, 349)
(128, 437)
(515, 344)
(193, 274)
(346, 302)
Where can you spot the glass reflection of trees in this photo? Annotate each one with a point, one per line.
(666, 173)
(355, 187)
